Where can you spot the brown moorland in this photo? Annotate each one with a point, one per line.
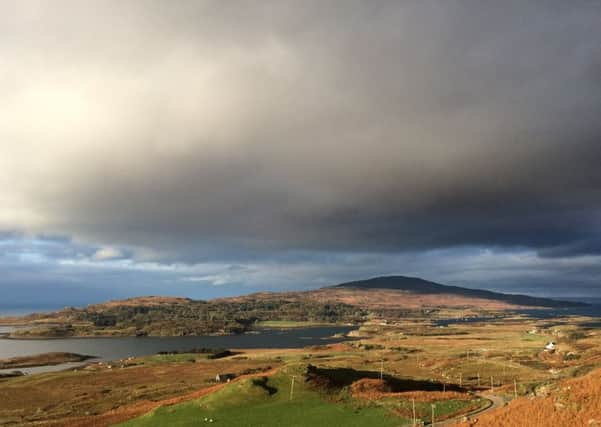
(111, 389)
(374, 389)
(462, 356)
(380, 299)
(573, 402)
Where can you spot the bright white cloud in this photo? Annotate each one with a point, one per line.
(104, 254)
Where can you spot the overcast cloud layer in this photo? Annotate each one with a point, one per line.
(194, 132)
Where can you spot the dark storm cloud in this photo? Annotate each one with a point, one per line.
(208, 129)
(40, 273)
(584, 246)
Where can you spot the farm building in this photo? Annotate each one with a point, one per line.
(222, 378)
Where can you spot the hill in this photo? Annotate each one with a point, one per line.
(419, 286)
(353, 302)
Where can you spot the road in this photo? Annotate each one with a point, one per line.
(495, 402)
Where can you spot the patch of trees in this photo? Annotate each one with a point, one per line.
(213, 353)
(213, 317)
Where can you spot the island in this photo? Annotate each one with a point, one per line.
(389, 298)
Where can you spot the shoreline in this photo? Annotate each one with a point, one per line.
(43, 359)
(257, 331)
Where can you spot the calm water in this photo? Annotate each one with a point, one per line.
(119, 348)
(22, 311)
(592, 310)
(595, 325)
(464, 320)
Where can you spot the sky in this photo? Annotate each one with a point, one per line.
(209, 148)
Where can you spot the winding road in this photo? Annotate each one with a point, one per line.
(495, 402)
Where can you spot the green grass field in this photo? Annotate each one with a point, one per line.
(265, 402)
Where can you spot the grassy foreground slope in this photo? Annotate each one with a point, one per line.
(102, 394)
(265, 402)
